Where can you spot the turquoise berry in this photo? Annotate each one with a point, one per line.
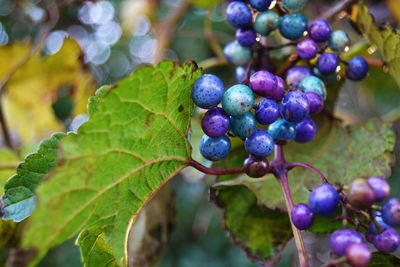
(207, 91)
(282, 131)
(238, 100)
(214, 149)
(243, 126)
(292, 26)
(313, 84)
(237, 54)
(266, 22)
(328, 79)
(294, 5)
(338, 41)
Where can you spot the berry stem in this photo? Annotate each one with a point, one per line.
(292, 165)
(248, 72)
(213, 171)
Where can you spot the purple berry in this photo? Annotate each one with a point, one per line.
(215, 122)
(264, 83)
(360, 194)
(260, 144)
(358, 255)
(316, 103)
(302, 216)
(239, 14)
(256, 167)
(319, 30)
(296, 74)
(380, 186)
(391, 212)
(305, 131)
(295, 107)
(246, 37)
(324, 200)
(327, 63)
(280, 89)
(387, 241)
(307, 49)
(267, 112)
(341, 239)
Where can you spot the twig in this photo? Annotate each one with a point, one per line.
(209, 36)
(272, 47)
(331, 12)
(248, 72)
(375, 62)
(213, 171)
(212, 62)
(292, 165)
(288, 64)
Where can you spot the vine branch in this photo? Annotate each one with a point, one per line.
(331, 12)
(292, 165)
(213, 171)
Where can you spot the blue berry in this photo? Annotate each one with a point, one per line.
(246, 37)
(207, 91)
(313, 84)
(260, 144)
(296, 74)
(292, 26)
(324, 200)
(264, 83)
(327, 63)
(357, 69)
(341, 239)
(238, 100)
(239, 14)
(237, 54)
(307, 49)
(391, 212)
(338, 41)
(260, 5)
(305, 131)
(380, 186)
(302, 216)
(319, 30)
(266, 23)
(267, 112)
(294, 5)
(379, 220)
(282, 131)
(316, 102)
(387, 241)
(215, 149)
(215, 122)
(243, 126)
(295, 107)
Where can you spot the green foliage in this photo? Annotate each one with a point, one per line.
(134, 143)
(208, 4)
(381, 259)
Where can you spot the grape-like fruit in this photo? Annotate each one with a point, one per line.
(360, 194)
(358, 255)
(267, 112)
(324, 200)
(256, 167)
(280, 89)
(357, 69)
(327, 63)
(387, 241)
(215, 122)
(380, 186)
(237, 54)
(307, 49)
(243, 126)
(292, 26)
(296, 74)
(341, 239)
(313, 84)
(241, 73)
(214, 149)
(237, 100)
(207, 91)
(266, 23)
(282, 131)
(391, 212)
(319, 30)
(260, 144)
(246, 37)
(302, 216)
(379, 220)
(294, 5)
(264, 83)
(338, 41)
(239, 14)
(260, 5)
(305, 131)
(295, 107)
(332, 78)
(316, 103)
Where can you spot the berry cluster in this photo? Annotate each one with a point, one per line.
(359, 197)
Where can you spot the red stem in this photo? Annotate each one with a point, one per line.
(248, 72)
(292, 165)
(213, 171)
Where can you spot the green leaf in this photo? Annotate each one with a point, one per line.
(207, 4)
(262, 232)
(380, 259)
(130, 147)
(19, 191)
(386, 40)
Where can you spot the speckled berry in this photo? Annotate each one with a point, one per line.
(256, 167)
(260, 144)
(207, 91)
(316, 103)
(391, 212)
(215, 122)
(295, 107)
(302, 216)
(294, 5)
(338, 41)
(380, 186)
(305, 131)
(238, 100)
(296, 74)
(387, 241)
(313, 84)
(239, 14)
(264, 83)
(244, 125)
(358, 255)
(324, 200)
(260, 5)
(327, 63)
(237, 54)
(292, 26)
(319, 30)
(282, 131)
(214, 149)
(267, 112)
(341, 239)
(307, 49)
(357, 69)
(266, 23)
(246, 37)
